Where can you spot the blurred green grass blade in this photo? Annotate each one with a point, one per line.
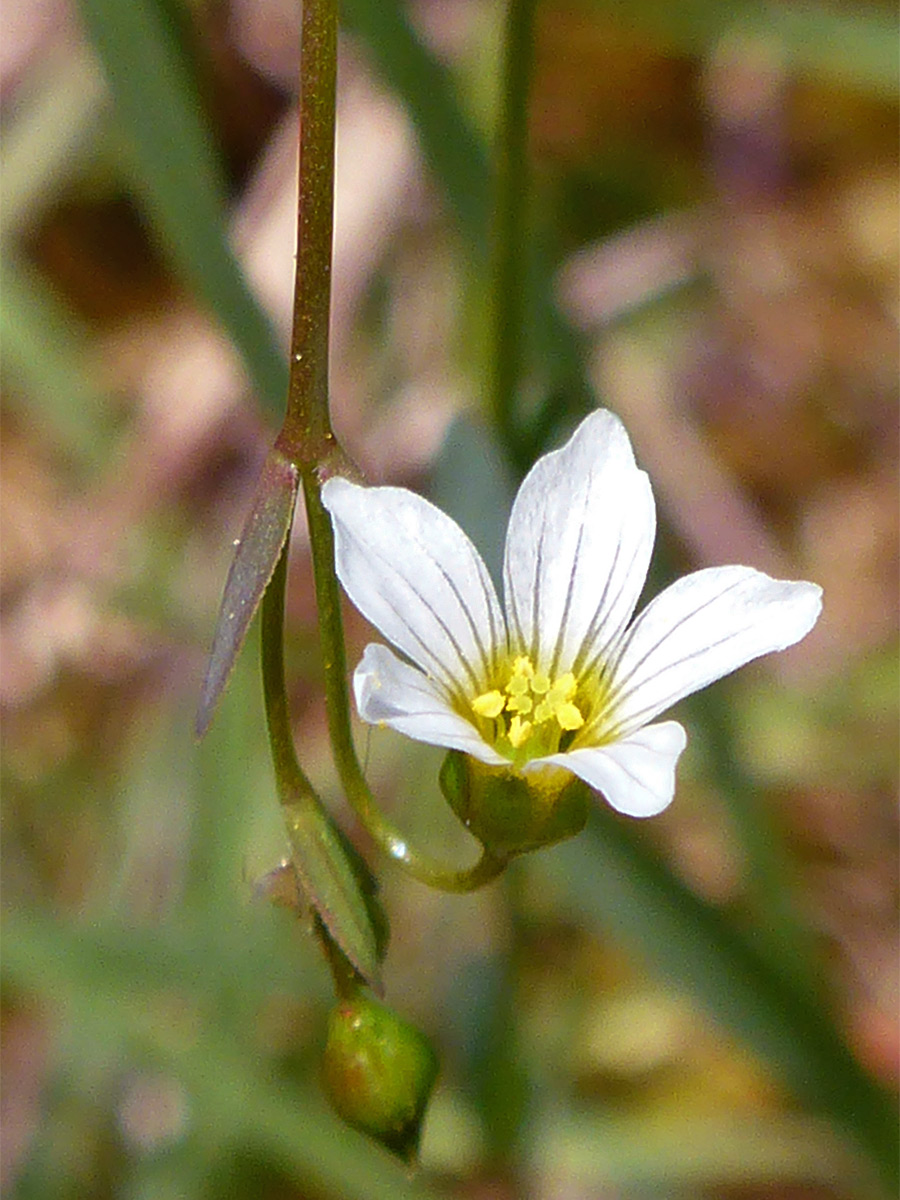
(600, 1155)
(234, 1100)
(451, 147)
(855, 46)
(608, 879)
(456, 155)
(49, 137)
(178, 175)
(44, 357)
(769, 873)
(852, 45)
(259, 951)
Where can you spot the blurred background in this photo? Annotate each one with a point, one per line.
(701, 1006)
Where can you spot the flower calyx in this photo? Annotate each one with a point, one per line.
(511, 812)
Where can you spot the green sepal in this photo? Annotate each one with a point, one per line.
(511, 813)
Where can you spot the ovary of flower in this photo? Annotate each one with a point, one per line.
(560, 675)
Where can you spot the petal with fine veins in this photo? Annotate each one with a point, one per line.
(635, 774)
(703, 627)
(578, 546)
(414, 574)
(391, 692)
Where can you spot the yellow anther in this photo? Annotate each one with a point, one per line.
(532, 699)
(563, 688)
(568, 716)
(519, 732)
(489, 704)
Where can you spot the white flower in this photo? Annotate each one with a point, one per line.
(557, 677)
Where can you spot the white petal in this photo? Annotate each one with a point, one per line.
(578, 547)
(414, 574)
(391, 692)
(701, 628)
(636, 774)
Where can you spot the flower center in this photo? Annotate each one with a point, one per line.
(531, 713)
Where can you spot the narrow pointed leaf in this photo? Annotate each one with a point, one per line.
(330, 883)
(256, 556)
(334, 879)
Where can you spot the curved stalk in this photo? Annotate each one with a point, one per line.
(331, 636)
(290, 775)
(308, 441)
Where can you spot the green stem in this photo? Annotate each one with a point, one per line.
(340, 890)
(308, 441)
(509, 261)
(292, 780)
(347, 983)
(306, 436)
(331, 636)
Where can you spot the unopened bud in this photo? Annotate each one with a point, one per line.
(511, 813)
(379, 1072)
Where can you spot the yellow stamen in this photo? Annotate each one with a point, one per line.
(564, 688)
(489, 704)
(568, 716)
(517, 686)
(519, 732)
(534, 700)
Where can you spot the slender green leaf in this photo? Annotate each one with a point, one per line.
(768, 866)
(471, 480)
(256, 556)
(453, 150)
(178, 175)
(330, 882)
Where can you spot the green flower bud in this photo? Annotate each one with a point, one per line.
(511, 813)
(379, 1072)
